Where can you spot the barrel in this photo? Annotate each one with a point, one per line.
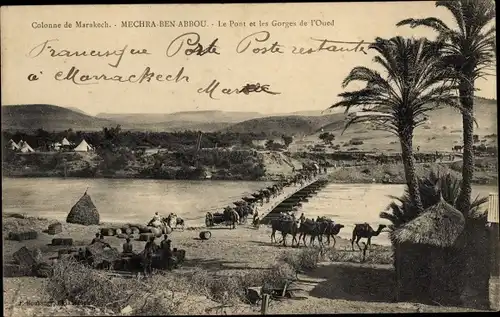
(205, 235)
(143, 229)
(135, 230)
(145, 236)
(54, 228)
(118, 231)
(62, 241)
(127, 230)
(107, 232)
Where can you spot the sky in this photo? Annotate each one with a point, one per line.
(301, 82)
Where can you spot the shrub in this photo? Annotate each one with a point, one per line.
(305, 260)
(80, 285)
(77, 284)
(356, 142)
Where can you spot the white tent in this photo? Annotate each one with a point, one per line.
(83, 147)
(65, 142)
(26, 148)
(13, 145)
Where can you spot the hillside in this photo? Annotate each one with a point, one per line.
(171, 126)
(54, 118)
(290, 125)
(209, 116)
(443, 131)
(77, 110)
(49, 118)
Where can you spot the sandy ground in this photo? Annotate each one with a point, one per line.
(332, 288)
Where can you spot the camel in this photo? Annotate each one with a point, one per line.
(364, 230)
(331, 231)
(312, 228)
(173, 221)
(285, 227)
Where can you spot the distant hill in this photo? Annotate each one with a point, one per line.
(77, 110)
(290, 125)
(184, 116)
(49, 118)
(54, 118)
(172, 126)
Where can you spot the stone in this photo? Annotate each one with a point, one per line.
(127, 310)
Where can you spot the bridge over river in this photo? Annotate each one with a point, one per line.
(292, 198)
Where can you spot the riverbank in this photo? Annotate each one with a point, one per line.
(219, 164)
(332, 287)
(249, 166)
(485, 173)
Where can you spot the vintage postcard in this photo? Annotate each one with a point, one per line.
(287, 158)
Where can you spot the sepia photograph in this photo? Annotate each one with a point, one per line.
(250, 159)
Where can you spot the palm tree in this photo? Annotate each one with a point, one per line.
(469, 50)
(415, 83)
(431, 188)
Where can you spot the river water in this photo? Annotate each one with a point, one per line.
(136, 200)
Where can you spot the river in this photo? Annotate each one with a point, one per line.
(136, 200)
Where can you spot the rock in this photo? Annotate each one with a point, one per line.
(127, 310)
(84, 212)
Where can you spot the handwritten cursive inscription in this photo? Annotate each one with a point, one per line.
(211, 89)
(192, 40)
(46, 47)
(260, 43)
(76, 77)
(248, 88)
(259, 37)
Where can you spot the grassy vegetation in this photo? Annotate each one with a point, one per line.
(486, 172)
(169, 293)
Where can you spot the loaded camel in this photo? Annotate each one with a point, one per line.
(173, 221)
(364, 230)
(313, 228)
(285, 226)
(316, 229)
(332, 230)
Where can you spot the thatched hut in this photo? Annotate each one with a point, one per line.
(426, 253)
(84, 212)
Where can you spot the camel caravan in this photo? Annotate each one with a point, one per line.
(248, 206)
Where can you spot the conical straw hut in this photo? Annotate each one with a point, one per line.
(84, 212)
(426, 253)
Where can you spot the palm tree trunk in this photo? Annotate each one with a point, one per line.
(466, 99)
(406, 141)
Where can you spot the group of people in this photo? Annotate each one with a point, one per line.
(167, 254)
(168, 259)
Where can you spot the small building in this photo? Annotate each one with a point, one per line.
(439, 258)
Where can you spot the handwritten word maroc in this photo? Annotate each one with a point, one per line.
(75, 76)
(213, 88)
(46, 47)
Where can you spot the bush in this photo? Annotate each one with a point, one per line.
(305, 260)
(77, 284)
(80, 285)
(374, 255)
(356, 141)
